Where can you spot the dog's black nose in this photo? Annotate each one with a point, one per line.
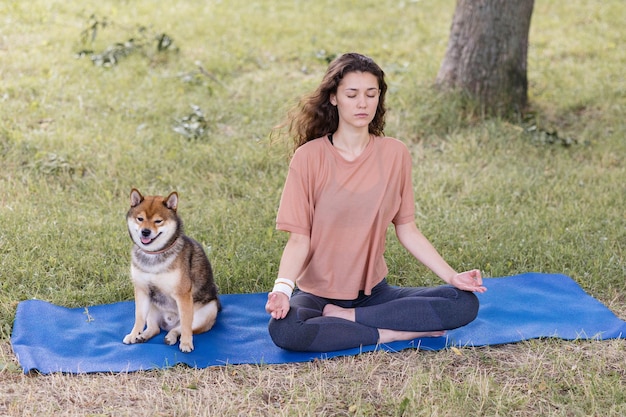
(145, 232)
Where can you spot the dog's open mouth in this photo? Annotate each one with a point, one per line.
(148, 240)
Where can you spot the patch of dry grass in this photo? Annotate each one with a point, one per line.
(533, 378)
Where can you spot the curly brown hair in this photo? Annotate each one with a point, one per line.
(315, 116)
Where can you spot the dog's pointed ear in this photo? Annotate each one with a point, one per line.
(135, 197)
(171, 202)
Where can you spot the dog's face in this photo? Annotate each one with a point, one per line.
(152, 220)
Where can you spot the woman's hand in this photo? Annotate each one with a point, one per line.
(277, 305)
(469, 281)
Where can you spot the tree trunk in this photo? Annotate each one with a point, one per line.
(487, 53)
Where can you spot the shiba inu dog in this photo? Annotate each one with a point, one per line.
(171, 274)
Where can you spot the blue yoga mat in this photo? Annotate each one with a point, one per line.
(49, 338)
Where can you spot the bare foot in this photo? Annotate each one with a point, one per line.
(331, 310)
(388, 335)
(384, 335)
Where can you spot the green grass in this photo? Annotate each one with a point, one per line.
(75, 137)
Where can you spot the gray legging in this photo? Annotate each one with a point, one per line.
(388, 307)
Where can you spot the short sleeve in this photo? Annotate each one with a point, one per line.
(295, 209)
(406, 211)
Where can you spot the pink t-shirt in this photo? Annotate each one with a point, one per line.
(346, 207)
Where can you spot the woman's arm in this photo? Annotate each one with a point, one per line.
(291, 264)
(421, 248)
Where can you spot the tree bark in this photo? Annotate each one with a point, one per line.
(487, 53)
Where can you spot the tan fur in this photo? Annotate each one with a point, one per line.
(171, 274)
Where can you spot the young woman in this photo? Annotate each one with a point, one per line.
(346, 183)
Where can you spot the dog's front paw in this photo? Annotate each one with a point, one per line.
(186, 343)
(185, 347)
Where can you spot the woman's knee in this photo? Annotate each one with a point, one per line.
(291, 334)
(468, 304)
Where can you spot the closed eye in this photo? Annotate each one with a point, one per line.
(374, 95)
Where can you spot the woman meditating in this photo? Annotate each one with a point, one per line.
(346, 184)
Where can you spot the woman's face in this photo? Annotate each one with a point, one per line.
(356, 99)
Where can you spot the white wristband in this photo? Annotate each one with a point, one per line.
(285, 286)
